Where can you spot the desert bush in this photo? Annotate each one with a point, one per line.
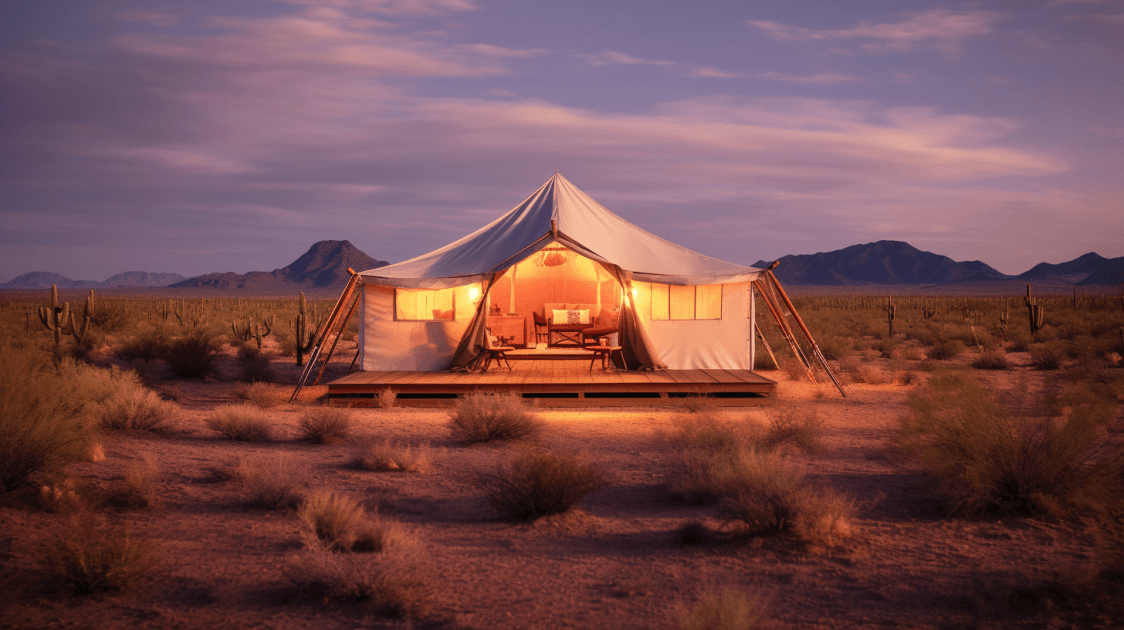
(913, 353)
(192, 355)
(794, 369)
(484, 417)
(726, 610)
(276, 484)
(1046, 356)
(322, 425)
(388, 455)
(907, 377)
(712, 432)
(256, 365)
(241, 470)
(386, 398)
(890, 348)
(993, 359)
(140, 485)
(133, 409)
(835, 347)
(947, 349)
(794, 425)
(242, 422)
(148, 345)
(541, 483)
(338, 523)
(41, 427)
(989, 459)
(64, 496)
(261, 394)
(392, 579)
(90, 556)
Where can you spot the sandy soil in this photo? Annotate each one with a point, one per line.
(616, 563)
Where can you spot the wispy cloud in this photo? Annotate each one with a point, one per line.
(712, 73)
(393, 7)
(941, 28)
(612, 57)
(821, 78)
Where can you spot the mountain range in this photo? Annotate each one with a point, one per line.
(325, 265)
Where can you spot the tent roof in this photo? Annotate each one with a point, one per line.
(583, 225)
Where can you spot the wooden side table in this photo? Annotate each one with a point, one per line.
(606, 354)
(510, 330)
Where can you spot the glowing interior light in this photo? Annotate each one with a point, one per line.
(473, 293)
(635, 292)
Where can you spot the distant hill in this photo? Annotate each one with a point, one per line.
(881, 262)
(44, 279)
(323, 265)
(1092, 268)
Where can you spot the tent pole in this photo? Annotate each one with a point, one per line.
(778, 315)
(315, 354)
(336, 339)
(353, 360)
(792, 309)
(760, 336)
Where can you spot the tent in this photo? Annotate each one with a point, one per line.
(674, 308)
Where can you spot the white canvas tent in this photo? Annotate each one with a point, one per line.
(675, 308)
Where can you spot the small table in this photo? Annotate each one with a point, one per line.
(568, 332)
(606, 354)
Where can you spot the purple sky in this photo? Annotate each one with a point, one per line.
(194, 137)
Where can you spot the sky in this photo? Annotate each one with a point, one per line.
(196, 137)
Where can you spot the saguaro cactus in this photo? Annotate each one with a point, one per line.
(1037, 313)
(253, 330)
(191, 314)
(305, 330)
(1005, 318)
(891, 312)
(55, 317)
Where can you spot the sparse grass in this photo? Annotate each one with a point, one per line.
(795, 425)
(338, 523)
(713, 432)
(725, 610)
(273, 484)
(261, 394)
(192, 355)
(323, 425)
(140, 485)
(484, 417)
(244, 469)
(794, 369)
(41, 428)
(90, 557)
(991, 459)
(245, 423)
(257, 366)
(387, 398)
(133, 409)
(391, 456)
(541, 483)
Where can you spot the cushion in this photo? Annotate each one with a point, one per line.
(570, 317)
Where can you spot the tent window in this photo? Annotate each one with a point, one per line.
(424, 305)
(686, 302)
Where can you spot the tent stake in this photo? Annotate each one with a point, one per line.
(792, 309)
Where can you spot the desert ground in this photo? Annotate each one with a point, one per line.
(617, 561)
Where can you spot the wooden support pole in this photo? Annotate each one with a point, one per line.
(778, 316)
(792, 309)
(766, 343)
(336, 339)
(321, 335)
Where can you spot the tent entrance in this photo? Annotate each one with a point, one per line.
(554, 278)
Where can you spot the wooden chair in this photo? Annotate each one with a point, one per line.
(495, 352)
(542, 328)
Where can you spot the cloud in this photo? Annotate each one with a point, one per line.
(942, 28)
(821, 78)
(393, 7)
(612, 57)
(712, 73)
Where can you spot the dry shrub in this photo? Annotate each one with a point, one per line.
(907, 377)
(242, 470)
(713, 432)
(393, 578)
(947, 349)
(765, 494)
(794, 369)
(261, 394)
(41, 428)
(726, 610)
(193, 355)
(63, 497)
(273, 484)
(140, 487)
(391, 456)
(256, 364)
(541, 483)
(323, 425)
(990, 459)
(90, 557)
(991, 359)
(245, 423)
(146, 346)
(484, 417)
(1046, 356)
(794, 425)
(338, 523)
(387, 398)
(133, 409)
(913, 353)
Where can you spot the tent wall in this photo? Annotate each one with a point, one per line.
(422, 346)
(725, 343)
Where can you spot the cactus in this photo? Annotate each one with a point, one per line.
(189, 313)
(928, 312)
(1036, 312)
(55, 317)
(305, 335)
(79, 335)
(163, 310)
(891, 312)
(1005, 318)
(253, 331)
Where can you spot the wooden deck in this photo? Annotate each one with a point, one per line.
(554, 383)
